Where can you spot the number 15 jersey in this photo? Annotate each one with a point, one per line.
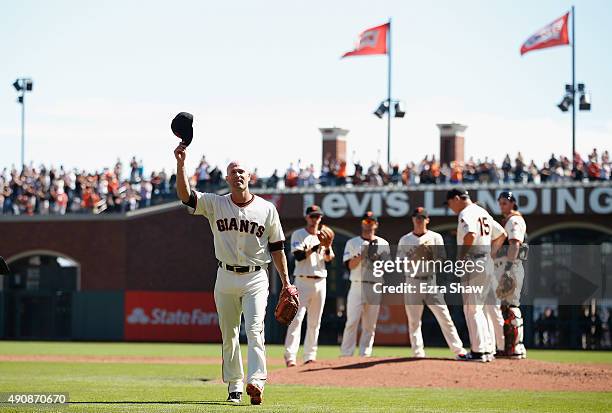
(477, 220)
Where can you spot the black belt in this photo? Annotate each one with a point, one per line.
(239, 268)
(313, 277)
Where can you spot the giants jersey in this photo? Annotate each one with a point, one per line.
(497, 230)
(241, 234)
(314, 264)
(410, 242)
(357, 246)
(516, 228)
(477, 220)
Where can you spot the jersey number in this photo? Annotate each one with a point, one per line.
(485, 228)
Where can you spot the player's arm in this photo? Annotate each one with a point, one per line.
(276, 245)
(350, 259)
(328, 254)
(513, 249)
(498, 236)
(299, 249)
(280, 263)
(468, 241)
(183, 191)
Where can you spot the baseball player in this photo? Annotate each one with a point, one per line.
(492, 307)
(474, 243)
(510, 265)
(412, 246)
(310, 280)
(247, 236)
(358, 308)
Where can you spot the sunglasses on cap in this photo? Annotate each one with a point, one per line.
(314, 216)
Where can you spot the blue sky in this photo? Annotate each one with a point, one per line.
(262, 77)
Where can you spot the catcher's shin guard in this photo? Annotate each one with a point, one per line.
(513, 331)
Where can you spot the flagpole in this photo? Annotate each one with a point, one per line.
(573, 87)
(389, 99)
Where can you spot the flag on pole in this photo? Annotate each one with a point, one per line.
(371, 41)
(554, 34)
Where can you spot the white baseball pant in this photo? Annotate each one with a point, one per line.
(473, 307)
(237, 294)
(357, 309)
(312, 300)
(437, 305)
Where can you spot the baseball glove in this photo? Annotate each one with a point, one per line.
(506, 287)
(326, 236)
(287, 305)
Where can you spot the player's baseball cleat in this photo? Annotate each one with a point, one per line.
(309, 362)
(234, 397)
(501, 354)
(474, 356)
(518, 356)
(290, 363)
(255, 392)
(489, 357)
(461, 357)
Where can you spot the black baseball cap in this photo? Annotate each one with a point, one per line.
(314, 210)
(370, 216)
(420, 212)
(460, 192)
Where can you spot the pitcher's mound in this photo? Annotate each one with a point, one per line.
(444, 373)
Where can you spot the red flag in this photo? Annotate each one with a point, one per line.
(371, 41)
(555, 34)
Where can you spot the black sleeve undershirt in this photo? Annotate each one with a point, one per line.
(299, 255)
(276, 246)
(193, 201)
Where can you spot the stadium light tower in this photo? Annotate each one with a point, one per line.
(23, 85)
(569, 99)
(398, 111)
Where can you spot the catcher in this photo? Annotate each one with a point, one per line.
(311, 247)
(510, 273)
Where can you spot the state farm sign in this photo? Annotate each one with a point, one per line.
(171, 316)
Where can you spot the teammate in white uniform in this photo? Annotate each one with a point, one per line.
(492, 308)
(310, 279)
(511, 262)
(408, 247)
(474, 244)
(247, 236)
(360, 306)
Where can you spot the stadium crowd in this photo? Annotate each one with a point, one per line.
(47, 190)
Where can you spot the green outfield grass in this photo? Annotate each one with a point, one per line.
(273, 351)
(150, 387)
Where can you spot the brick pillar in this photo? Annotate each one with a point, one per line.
(452, 142)
(334, 143)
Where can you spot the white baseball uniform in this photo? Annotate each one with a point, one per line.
(475, 219)
(310, 280)
(516, 228)
(435, 302)
(492, 308)
(357, 306)
(241, 237)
